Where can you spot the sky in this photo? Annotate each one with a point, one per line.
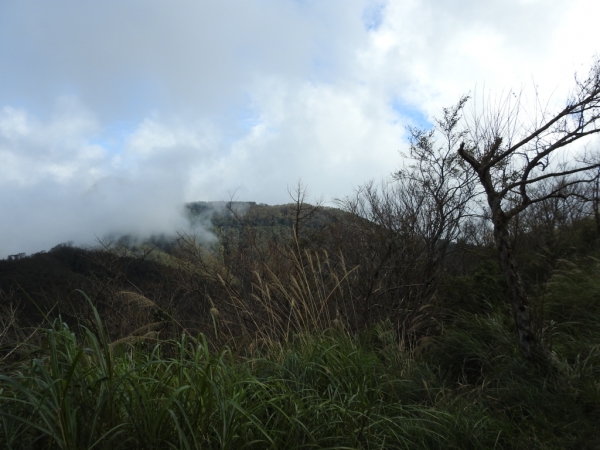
(113, 114)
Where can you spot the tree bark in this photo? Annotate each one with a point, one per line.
(597, 202)
(517, 295)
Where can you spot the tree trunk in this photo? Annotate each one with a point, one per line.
(597, 201)
(517, 294)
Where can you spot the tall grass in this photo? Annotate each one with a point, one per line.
(84, 394)
(326, 391)
(314, 384)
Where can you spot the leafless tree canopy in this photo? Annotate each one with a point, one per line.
(522, 158)
(512, 148)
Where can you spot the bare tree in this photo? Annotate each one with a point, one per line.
(400, 232)
(521, 163)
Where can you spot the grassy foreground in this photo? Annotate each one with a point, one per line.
(466, 388)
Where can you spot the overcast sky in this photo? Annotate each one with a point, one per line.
(115, 113)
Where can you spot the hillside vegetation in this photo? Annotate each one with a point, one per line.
(261, 339)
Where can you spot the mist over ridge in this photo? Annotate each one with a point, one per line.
(113, 115)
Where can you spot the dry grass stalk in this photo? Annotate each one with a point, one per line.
(135, 299)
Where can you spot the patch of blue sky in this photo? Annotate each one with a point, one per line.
(372, 16)
(248, 117)
(240, 119)
(410, 115)
(139, 98)
(114, 136)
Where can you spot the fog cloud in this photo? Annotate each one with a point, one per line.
(114, 114)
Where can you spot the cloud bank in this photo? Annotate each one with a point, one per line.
(113, 114)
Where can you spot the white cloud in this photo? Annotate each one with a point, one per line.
(114, 113)
(58, 149)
